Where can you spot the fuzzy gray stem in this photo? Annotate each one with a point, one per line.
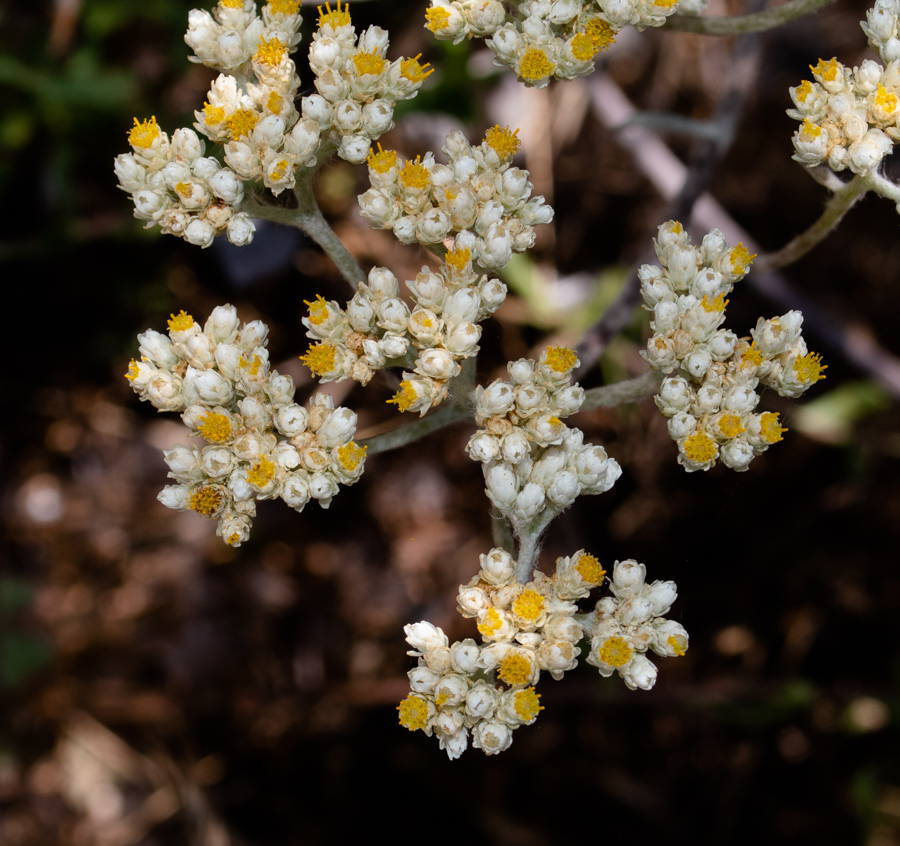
(843, 200)
(403, 435)
(308, 218)
(529, 541)
(628, 390)
(883, 187)
(744, 24)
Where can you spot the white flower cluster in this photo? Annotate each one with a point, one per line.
(543, 39)
(174, 186)
(882, 30)
(851, 117)
(377, 328)
(622, 627)
(250, 111)
(710, 400)
(488, 689)
(532, 462)
(478, 193)
(260, 443)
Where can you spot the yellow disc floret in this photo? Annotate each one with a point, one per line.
(535, 65)
(458, 258)
(261, 473)
(740, 259)
(515, 669)
(414, 174)
(382, 161)
(143, 134)
(590, 570)
(527, 704)
(600, 32)
(560, 359)
(730, 426)
(206, 500)
(270, 52)
(180, 322)
(275, 103)
(809, 368)
(413, 712)
(678, 644)
(616, 652)
(216, 428)
(320, 358)
(828, 71)
(503, 141)
(528, 605)
(490, 623)
(413, 71)
(752, 355)
(665, 4)
(885, 99)
(369, 63)
(718, 304)
(350, 455)
(213, 115)
(770, 429)
(700, 447)
(583, 47)
(232, 4)
(437, 18)
(804, 89)
(241, 122)
(318, 310)
(133, 371)
(279, 172)
(337, 18)
(283, 7)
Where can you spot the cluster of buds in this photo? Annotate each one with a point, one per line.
(477, 192)
(882, 28)
(250, 111)
(377, 328)
(487, 689)
(710, 399)
(532, 462)
(544, 39)
(260, 444)
(850, 117)
(175, 187)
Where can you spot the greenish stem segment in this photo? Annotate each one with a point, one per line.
(744, 24)
(628, 390)
(842, 201)
(308, 218)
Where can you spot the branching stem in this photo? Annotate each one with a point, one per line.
(744, 24)
(628, 390)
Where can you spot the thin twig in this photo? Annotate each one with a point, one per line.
(628, 390)
(745, 24)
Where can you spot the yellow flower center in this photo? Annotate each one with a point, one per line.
(600, 32)
(804, 89)
(885, 99)
(382, 161)
(583, 47)
(503, 141)
(216, 428)
(740, 259)
(133, 371)
(616, 652)
(527, 704)
(350, 455)
(515, 669)
(143, 134)
(809, 368)
(279, 172)
(369, 63)
(413, 712)
(270, 52)
(275, 103)
(241, 123)
(589, 569)
(528, 605)
(458, 258)
(320, 358)
(405, 397)
(318, 310)
(678, 644)
(337, 18)
(700, 447)
(770, 429)
(284, 7)
(560, 359)
(828, 71)
(206, 501)
(213, 114)
(414, 174)
(718, 304)
(411, 69)
(491, 622)
(437, 18)
(730, 426)
(752, 355)
(535, 65)
(180, 322)
(261, 473)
